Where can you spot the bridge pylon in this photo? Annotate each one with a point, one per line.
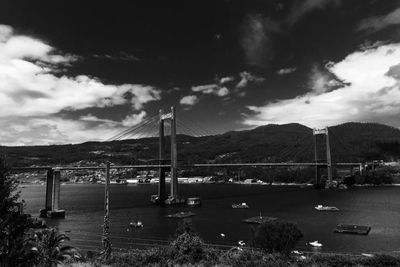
(173, 198)
(325, 132)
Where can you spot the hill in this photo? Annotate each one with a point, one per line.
(350, 142)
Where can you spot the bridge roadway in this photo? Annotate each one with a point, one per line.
(198, 165)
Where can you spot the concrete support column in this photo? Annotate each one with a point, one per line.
(328, 158)
(174, 174)
(56, 190)
(161, 156)
(317, 172)
(49, 190)
(52, 206)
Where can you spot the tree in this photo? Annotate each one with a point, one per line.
(13, 225)
(46, 248)
(276, 236)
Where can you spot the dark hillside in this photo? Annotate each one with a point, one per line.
(350, 142)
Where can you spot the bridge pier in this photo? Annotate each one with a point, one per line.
(160, 198)
(174, 198)
(52, 200)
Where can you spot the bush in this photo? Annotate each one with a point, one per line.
(185, 226)
(13, 225)
(381, 260)
(187, 248)
(250, 257)
(46, 249)
(276, 236)
(331, 260)
(138, 257)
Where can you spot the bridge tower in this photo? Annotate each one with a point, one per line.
(325, 132)
(161, 197)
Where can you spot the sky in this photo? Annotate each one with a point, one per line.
(77, 71)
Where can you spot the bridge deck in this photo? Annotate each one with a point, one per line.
(254, 164)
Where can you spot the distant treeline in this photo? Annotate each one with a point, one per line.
(350, 142)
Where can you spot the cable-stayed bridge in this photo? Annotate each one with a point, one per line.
(167, 124)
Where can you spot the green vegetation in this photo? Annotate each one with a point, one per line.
(276, 236)
(189, 250)
(350, 142)
(22, 242)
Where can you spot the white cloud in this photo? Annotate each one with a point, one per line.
(370, 92)
(380, 22)
(92, 118)
(256, 38)
(125, 56)
(133, 119)
(285, 71)
(303, 7)
(30, 89)
(247, 77)
(214, 89)
(223, 91)
(189, 100)
(228, 79)
(206, 89)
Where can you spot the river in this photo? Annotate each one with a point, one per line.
(378, 207)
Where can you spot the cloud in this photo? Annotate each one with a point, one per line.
(367, 93)
(133, 119)
(228, 79)
(189, 100)
(246, 77)
(223, 91)
(92, 118)
(377, 23)
(29, 87)
(301, 8)
(124, 56)
(53, 130)
(256, 39)
(206, 89)
(285, 71)
(214, 89)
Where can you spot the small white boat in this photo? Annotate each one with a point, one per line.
(240, 206)
(241, 243)
(315, 244)
(137, 224)
(326, 208)
(222, 235)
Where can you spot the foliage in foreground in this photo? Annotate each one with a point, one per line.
(237, 257)
(188, 249)
(21, 243)
(276, 236)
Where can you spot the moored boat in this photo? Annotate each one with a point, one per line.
(326, 208)
(240, 206)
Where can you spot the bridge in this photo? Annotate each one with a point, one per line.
(169, 120)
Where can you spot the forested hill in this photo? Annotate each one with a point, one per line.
(355, 142)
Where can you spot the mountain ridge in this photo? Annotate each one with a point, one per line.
(292, 142)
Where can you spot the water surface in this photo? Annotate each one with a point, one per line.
(378, 207)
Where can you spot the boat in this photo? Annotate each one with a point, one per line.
(181, 215)
(240, 206)
(259, 219)
(136, 224)
(315, 244)
(352, 229)
(326, 208)
(193, 201)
